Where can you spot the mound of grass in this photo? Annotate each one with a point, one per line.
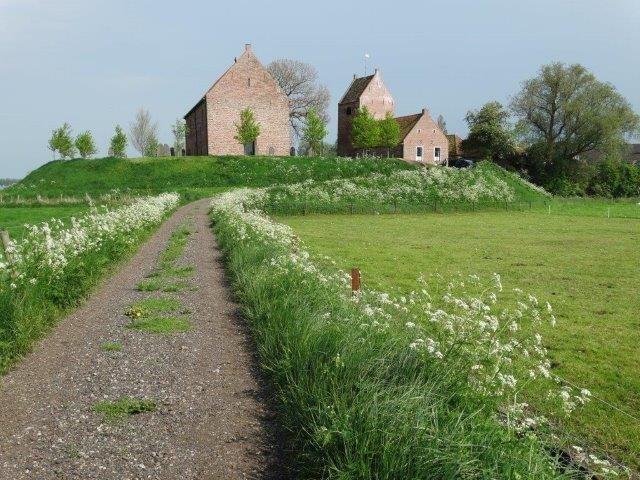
(124, 407)
(160, 325)
(149, 285)
(187, 175)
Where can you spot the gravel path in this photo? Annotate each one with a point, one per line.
(212, 420)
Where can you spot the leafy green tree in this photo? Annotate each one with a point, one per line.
(490, 135)
(248, 129)
(365, 130)
(118, 147)
(179, 130)
(61, 141)
(566, 111)
(389, 132)
(314, 132)
(152, 146)
(85, 144)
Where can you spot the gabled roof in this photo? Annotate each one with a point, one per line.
(407, 123)
(356, 89)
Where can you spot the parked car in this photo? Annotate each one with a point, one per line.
(462, 163)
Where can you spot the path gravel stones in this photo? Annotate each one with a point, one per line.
(212, 420)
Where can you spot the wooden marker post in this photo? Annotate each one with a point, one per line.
(4, 239)
(355, 281)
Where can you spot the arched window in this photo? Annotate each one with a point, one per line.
(248, 82)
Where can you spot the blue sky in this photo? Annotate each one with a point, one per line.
(93, 63)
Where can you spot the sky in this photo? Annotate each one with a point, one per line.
(94, 63)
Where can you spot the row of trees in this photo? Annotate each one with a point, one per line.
(367, 132)
(143, 134)
(557, 117)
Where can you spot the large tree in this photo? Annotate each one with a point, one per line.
(85, 145)
(248, 129)
(389, 132)
(61, 141)
(118, 145)
(565, 111)
(314, 132)
(490, 134)
(143, 132)
(299, 82)
(365, 130)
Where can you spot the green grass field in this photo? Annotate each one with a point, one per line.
(13, 219)
(184, 174)
(585, 266)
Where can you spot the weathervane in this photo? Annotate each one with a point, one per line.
(366, 57)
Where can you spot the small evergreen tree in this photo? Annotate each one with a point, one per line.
(61, 141)
(248, 129)
(365, 131)
(314, 132)
(389, 132)
(179, 130)
(118, 147)
(85, 145)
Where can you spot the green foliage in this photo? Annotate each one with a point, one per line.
(365, 130)
(584, 263)
(124, 407)
(442, 124)
(248, 129)
(197, 176)
(61, 141)
(154, 305)
(490, 135)
(389, 132)
(356, 401)
(111, 347)
(314, 132)
(179, 131)
(615, 179)
(85, 145)
(566, 111)
(151, 148)
(118, 146)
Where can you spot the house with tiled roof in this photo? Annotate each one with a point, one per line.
(421, 139)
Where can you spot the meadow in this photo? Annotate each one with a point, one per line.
(14, 219)
(585, 266)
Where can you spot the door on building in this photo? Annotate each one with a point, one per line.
(250, 148)
(436, 155)
(419, 152)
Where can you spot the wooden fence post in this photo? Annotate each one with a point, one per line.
(355, 281)
(5, 240)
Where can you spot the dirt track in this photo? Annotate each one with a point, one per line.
(212, 420)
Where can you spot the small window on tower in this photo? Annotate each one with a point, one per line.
(348, 110)
(248, 82)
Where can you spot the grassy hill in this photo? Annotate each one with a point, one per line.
(154, 175)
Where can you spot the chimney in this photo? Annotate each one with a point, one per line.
(247, 47)
(355, 76)
(424, 111)
(375, 72)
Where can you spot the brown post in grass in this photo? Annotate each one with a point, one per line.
(5, 240)
(355, 281)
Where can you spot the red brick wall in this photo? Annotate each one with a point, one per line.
(377, 98)
(196, 120)
(427, 134)
(248, 84)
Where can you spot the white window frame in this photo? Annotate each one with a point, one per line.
(437, 158)
(419, 158)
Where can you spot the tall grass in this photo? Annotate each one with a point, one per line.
(55, 266)
(356, 400)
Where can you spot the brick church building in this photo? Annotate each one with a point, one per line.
(421, 139)
(245, 84)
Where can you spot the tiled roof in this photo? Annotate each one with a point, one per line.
(356, 89)
(407, 123)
